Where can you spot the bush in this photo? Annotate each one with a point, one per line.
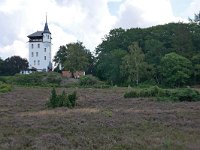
(5, 87)
(52, 77)
(7, 79)
(89, 80)
(185, 94)
(38, 79)
(62, 100)
(150, 92)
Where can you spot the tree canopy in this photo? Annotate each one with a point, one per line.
(154, 43)
(73, 57)
(176, 69)
(13, 65)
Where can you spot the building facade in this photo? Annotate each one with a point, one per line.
(40, 50)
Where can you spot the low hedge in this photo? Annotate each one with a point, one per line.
(181, 94)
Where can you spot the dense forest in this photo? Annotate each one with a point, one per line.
(165, 54)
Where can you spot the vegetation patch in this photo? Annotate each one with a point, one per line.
(63, 100)
(91, 81)
(5, 87)
(38, 79)
(181, 94)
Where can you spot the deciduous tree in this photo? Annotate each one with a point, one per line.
(14, 64)
(133, 64)
(176, 69)
(73, 57)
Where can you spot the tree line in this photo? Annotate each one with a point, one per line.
(164, 54)
(12, 65)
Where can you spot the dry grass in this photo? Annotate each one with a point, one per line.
(103, 119)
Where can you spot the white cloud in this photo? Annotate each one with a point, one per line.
(69, 21)
(145, 13)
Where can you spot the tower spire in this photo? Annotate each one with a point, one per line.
(46, 28)
(46, 17)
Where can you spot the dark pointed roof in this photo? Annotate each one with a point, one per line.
(46, 28)
(39, 34)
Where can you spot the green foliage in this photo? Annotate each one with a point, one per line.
(182, 94)
(5, 87)
(133, 64)
(88, 80)
(146, 92)
(13, 65)
(196, 69)
(91, 81)
(38, 79)
(72, 99)
(154, 42)
(63, 100)
(53, 99)
(74, 57)
(176, 69)
(109, 68)
(185, 94)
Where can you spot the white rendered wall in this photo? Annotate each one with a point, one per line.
(39, 61)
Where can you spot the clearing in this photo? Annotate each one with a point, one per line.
(103, 119)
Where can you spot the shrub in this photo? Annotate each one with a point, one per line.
(5, 87)
(185, 94)
(89, 80)
(150, 92)
(72, 98)
(62, 100)
(52, 77)
(53, 99)
(38, 79)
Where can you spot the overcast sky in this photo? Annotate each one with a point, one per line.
(87, 21)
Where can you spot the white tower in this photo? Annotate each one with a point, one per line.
(40, 49)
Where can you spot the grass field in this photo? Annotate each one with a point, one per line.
(102, 119)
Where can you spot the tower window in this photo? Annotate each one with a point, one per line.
(34, 62)
(38, 45)
(32, 54)
(36, 54)
(38, 62)
(45, 49)
(32, 46)
(48, 36)
(45, 57)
